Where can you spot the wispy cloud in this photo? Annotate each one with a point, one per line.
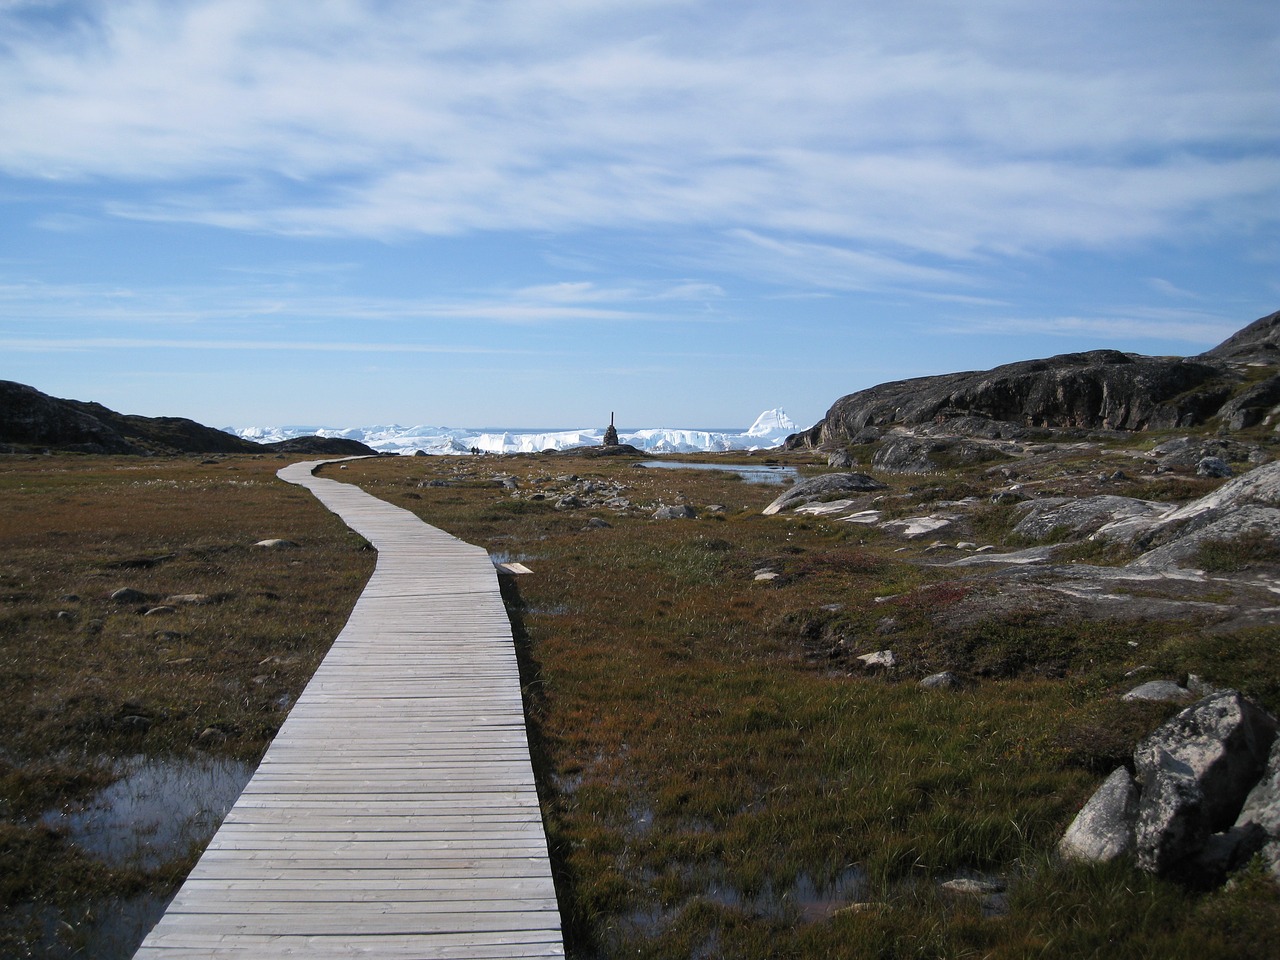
(24, 304)
(1192, 327)
(961, 131)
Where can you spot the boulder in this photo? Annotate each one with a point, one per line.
(1213, 467)
(680, 511)
(941, 681)
(1262, 810)
(1158, 690)
(841, 460)
(1103, 829)
(880, 660)
(1195, 773)
(129, 595)
(826, 487)
(276, 543)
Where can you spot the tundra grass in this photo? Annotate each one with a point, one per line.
(86, 681)
(721, 777)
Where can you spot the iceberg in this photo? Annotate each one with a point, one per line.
(769, 430)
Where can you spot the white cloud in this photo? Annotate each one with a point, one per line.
(1193, 327)
(958, 131)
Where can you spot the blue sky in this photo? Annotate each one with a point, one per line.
(535, 212)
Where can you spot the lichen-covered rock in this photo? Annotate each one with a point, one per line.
(1195, 772)
(1081, 515)
(825, 487)
(1262, 809)
(675, 512)
(1158, 690)
(1103, 829)
(1213, 467)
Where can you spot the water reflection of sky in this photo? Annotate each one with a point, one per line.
(765, 473)
(155, 811)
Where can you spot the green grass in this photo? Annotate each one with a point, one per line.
(85, 681)
(709, 751)
(706, 744)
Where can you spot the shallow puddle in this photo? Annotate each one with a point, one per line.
(765, 473)
(155, 811)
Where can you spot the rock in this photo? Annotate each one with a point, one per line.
(1262, 809)
(880, 660)
(910, 453)
(1229, 525)
(1100, 389)
(133, 723)
(1195, 773)
(277, 544)
(188, 599)
(913, 527)
(1171, 825)
(986, 555)
(968, 887)
(1213, 467)
(1158, 690)
(66, 616)
(211, 737)
(1103, 829)
(30, 419)
(825, 487)
(1080, 516)
(680, 511)
(129, 595)
(762, 576)
(160, 611)
(841, 460)
(569, 502)
(941, 681)
(595, 523)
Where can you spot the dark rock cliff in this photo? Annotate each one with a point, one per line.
(31, 420)
(1100, 389)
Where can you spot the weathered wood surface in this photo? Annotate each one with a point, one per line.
(395, 813)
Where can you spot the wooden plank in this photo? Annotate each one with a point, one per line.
(396, 814)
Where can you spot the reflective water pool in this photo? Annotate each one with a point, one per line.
(764, 473)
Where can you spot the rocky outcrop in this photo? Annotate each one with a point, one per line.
(1095, 390)
(1201, 799)
(826, 487)
(328, 446)
(31, 420)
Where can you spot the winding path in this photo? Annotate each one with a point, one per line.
(395, 814)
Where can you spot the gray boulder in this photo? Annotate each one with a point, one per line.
(1262, 810)
(826, 487)
(1103, 829)
(841, 460)
(677, 512)
(1195, 772)
(1213, 467)
(941, 681)
(1158, 690)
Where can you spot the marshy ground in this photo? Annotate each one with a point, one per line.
(720, 775)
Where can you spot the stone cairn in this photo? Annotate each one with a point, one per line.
(611, 435)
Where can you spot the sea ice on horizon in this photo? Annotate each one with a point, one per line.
(770, 429)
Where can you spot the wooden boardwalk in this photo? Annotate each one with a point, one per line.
(394, 815)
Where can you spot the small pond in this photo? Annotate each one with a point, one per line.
(764, 473)
(157, 811)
